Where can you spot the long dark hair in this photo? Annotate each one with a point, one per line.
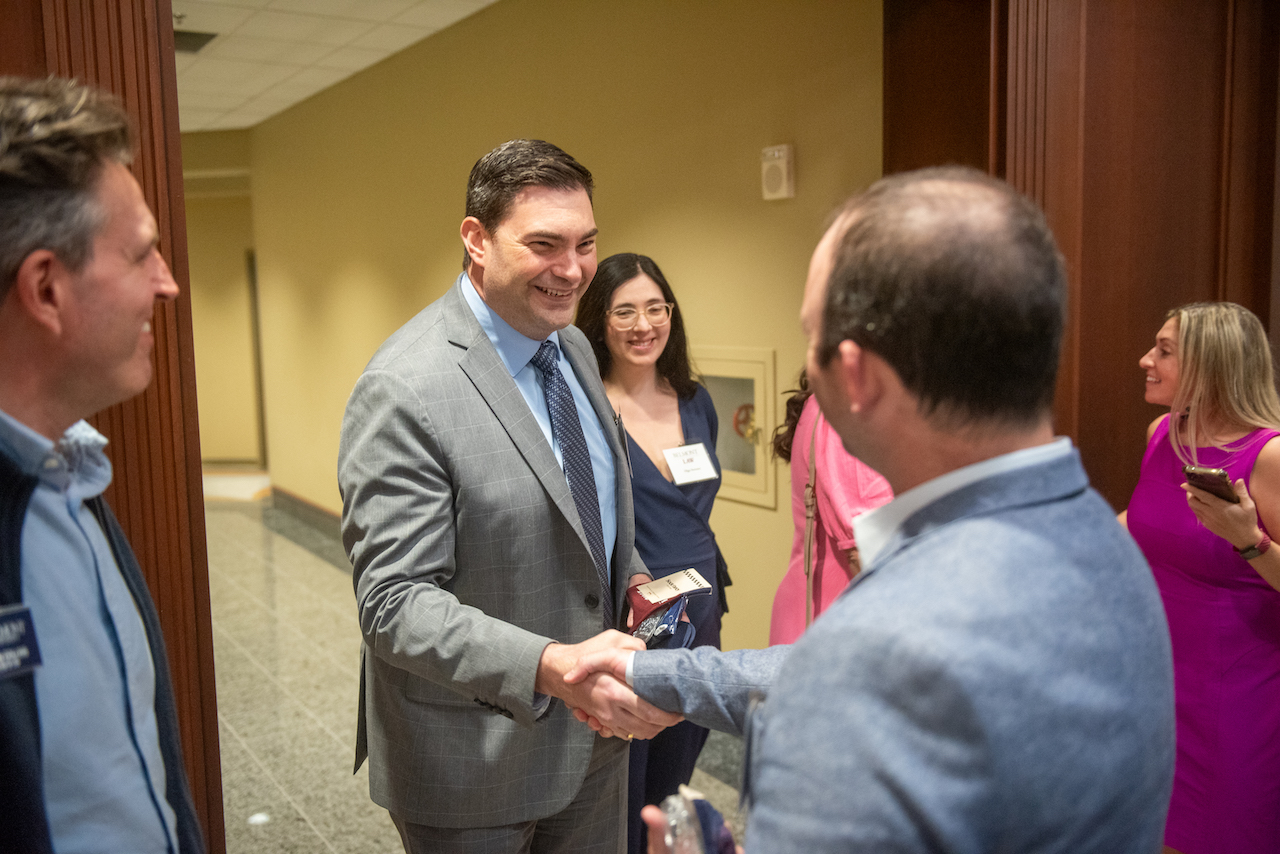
(785, 434)
(614, 272)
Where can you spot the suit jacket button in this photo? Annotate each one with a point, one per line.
(592, 600)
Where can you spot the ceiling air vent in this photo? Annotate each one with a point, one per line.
(189, 41)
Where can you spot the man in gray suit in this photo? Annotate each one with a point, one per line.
(998, 677)
(487, 515)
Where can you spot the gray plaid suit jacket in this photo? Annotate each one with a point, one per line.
(469, 558)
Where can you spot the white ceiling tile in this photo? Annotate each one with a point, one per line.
(353, 58)
(204, 99)
(242, 4)
(271, 54)
(305, 83)
(231, 121)
(237, 46)
(391, 38)
(193, 119)
(207, 17)
(362, 10)
(438, 14)
(287, 26)
(235, 76)
(270, 103)
(244, 117)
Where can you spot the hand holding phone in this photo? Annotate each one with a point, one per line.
(1213, 481)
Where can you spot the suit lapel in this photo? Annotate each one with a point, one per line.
(485, 369)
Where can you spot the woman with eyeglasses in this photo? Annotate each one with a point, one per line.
(630, 316)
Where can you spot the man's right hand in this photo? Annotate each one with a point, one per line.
(601, 696)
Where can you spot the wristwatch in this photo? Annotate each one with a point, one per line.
(1250, 552)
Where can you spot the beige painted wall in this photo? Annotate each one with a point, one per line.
(358, 193)
(219, 232)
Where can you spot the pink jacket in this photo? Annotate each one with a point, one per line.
(845, 488)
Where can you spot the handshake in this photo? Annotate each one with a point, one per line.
(590, 677)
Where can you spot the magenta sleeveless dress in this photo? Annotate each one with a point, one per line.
(1224, 621)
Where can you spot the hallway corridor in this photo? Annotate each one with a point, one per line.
(287, 655)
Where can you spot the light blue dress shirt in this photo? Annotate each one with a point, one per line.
(516, 350)
(104, 777)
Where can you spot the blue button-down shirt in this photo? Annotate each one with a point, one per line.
(104, 777)
(516, 350)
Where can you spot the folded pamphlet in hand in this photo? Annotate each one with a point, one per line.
(658, 606)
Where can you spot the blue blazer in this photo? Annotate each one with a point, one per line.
(998, 679)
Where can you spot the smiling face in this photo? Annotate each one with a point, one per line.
(107, 322)
(535, 265)
(1162, 364)
(642, 344)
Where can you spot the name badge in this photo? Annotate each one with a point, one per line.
(690, 464)
(19, 652)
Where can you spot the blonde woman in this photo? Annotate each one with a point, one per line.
(1218, 574)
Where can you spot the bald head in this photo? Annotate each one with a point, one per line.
(954, 280)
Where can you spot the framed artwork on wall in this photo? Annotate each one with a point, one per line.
(741, 383)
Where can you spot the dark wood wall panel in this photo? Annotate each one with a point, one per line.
(127, 48)
(1147, 132)
(1027, 93)
(1062, 31)
(937, 83)
(1152, 157)
(1248, 172)
(1173, 134)
(21, 38)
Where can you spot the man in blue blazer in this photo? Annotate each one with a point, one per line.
(998, 677)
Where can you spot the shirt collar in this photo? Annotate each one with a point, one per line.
(874, 529)
(513, 348)
(76, 458)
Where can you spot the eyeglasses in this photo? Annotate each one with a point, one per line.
(626, 317)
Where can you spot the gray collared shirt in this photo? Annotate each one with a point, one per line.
(103, 774)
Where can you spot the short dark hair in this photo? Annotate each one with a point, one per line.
(614, 272)
(498, 177)
(954, 279)
(55, 137)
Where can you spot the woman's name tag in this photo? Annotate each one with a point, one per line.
(690, 464)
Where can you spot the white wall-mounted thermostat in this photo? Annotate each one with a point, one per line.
(777, 173)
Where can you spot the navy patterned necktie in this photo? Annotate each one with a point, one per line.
(567, 429)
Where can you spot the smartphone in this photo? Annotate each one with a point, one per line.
(684, 831)
(1213, 481)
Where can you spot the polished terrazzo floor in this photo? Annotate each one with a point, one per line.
(287, 654)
